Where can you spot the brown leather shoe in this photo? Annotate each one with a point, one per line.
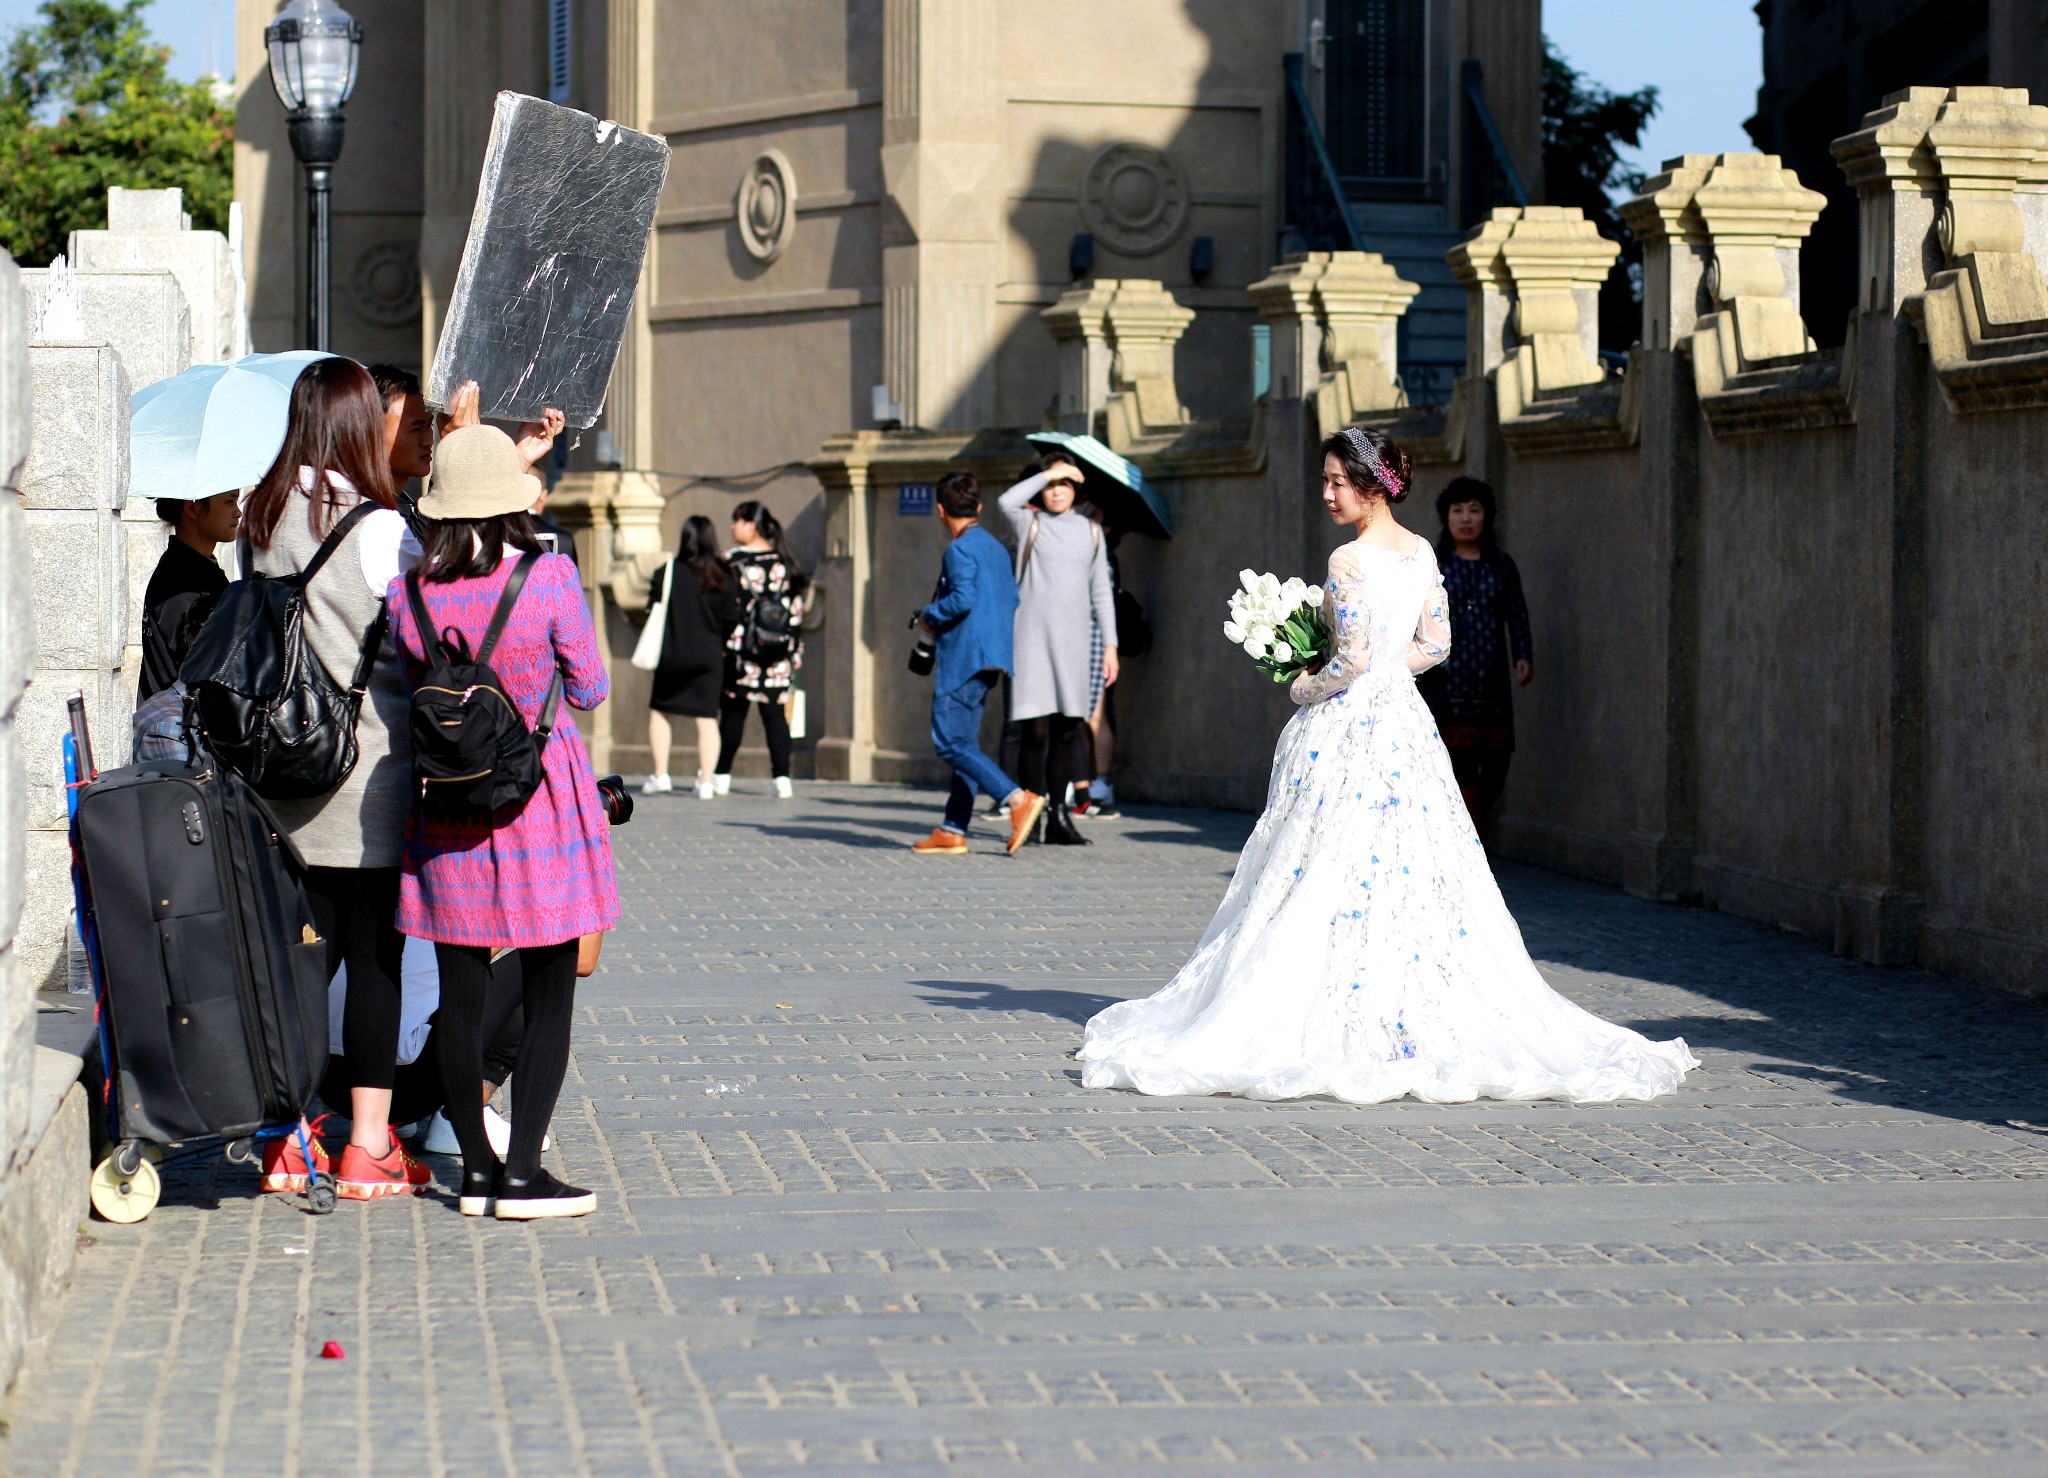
(942, 843)
(1023, 816)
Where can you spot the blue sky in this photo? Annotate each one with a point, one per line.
(1705, 56)
(186, 26)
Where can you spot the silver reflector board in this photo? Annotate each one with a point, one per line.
(555, 248)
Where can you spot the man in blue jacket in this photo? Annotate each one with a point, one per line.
(971, 619)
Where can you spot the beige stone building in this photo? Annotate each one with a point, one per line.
(872, 202)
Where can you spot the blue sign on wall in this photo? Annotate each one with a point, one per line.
(914, 500)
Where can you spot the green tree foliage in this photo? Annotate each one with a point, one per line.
(87, 102)
(1585, 127)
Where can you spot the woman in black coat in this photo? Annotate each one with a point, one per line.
(703, 609)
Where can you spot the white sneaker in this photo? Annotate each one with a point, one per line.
(440, 1138)
(706, 790)
(783, 789)
(721, 784)
(498, 1130)
(657, 785)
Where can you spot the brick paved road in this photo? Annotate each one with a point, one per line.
(857, 1213)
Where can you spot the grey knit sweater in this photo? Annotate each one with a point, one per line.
(1062, 591)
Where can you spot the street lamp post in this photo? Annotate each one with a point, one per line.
(315, 47)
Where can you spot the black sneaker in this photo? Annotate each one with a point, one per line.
(542, 1196)
(479, 1192)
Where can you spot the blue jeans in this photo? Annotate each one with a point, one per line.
(956, 735)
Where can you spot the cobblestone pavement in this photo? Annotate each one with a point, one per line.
(857, 1213)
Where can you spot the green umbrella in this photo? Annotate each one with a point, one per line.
(1113, 484)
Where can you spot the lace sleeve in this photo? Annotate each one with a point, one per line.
(1432, 641)
(1351, 643)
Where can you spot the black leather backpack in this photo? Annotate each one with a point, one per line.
(472, 753)
(258, 697)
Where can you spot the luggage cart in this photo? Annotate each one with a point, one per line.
(127, 1181)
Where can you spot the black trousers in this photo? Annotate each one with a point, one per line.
(732, 727)
(416, 1086)
(1046, 757)
(548, 997)
(356, 911)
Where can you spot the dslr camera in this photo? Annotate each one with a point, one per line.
(925, 654)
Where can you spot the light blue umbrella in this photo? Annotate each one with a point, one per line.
(1114, 485)
(215, 428)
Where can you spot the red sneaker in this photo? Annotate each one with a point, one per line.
(284, 1165)
(367, 1177)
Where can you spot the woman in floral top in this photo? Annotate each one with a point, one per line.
(1471, 694)
(765, 651)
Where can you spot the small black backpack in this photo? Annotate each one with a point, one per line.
(260, 699)
(472, 753)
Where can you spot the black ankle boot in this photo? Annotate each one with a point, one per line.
(1060, 830)
(480, 1192)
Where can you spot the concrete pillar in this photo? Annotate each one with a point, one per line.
(1285, 298)
(1556, 260)
(148, 231)
(1489, 293)
(629, 408)
(615, 518)
(1755, 213)
(942, 231)
(1676, 249)
(846, 716)
(1145, 325)
(1079, 324)
(461, 45)
(1359, 300)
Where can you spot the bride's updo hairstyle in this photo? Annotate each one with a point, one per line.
(1373, 463)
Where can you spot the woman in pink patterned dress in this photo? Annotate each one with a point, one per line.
(535, 878)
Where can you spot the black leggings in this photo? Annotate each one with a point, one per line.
(732, 725)
(1045, 759)
(416, 1089)
(548, 995)
(356, 910)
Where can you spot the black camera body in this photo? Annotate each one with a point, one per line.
(616, 799)
(925, 655)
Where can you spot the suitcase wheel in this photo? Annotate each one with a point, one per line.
(320, 1193)
(240, 1151)
(133, 1151)
(125, 1195)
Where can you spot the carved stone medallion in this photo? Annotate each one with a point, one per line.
(384, 284)
(1134, 198)
(767, 206)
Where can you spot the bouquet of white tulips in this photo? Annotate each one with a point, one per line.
(1279, 624)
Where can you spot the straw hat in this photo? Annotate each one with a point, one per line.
(478, 474)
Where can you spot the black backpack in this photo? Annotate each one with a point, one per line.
(768, 630)
(472, 753)
(260, 699)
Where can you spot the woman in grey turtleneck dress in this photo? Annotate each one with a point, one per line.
(1063, 591)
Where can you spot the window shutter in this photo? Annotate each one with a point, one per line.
(560, 24)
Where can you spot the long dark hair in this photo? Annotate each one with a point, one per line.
(336, 425)
(464, 548)
(769, 527)
(1358, 447)
(1467, 490)
(697, 548)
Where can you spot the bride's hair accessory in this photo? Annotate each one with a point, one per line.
(1385, 476)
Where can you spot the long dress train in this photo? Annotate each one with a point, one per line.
(1363, 949)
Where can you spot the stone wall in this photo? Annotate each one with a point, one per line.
(1784, 598)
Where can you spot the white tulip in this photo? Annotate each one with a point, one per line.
(1314, 597)
(1293, 592)
(1234, 633)
(1253, 647)
(1262, 632)
(1282, 652)
(1249, 580)
(1269, 586)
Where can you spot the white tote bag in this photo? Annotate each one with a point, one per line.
(647, 650)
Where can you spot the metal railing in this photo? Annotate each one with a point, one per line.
(1317, 211)
(1490, 175)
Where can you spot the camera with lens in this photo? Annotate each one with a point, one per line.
(925, 655)
(616, 799)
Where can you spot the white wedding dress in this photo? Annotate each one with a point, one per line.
(1363, 949)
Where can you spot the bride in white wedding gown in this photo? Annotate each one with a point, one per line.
(1363, 949)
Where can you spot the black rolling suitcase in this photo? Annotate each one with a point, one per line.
(214, 979)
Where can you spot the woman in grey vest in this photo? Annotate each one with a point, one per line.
(1063, 596)
(354, 838)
